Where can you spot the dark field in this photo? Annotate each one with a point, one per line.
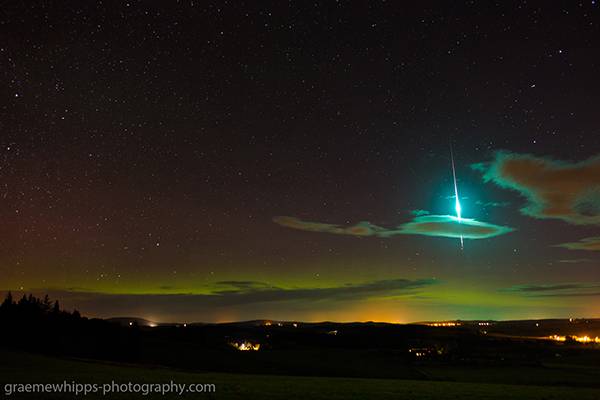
(23, 367)
(329, 361)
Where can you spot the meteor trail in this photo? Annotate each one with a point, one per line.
(457, 203)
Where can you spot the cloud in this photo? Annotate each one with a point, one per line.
(575, 260)
(361, 229)
(590, 244)
(418, 212)
(226, 293)
(569, 191)
(229, 297)
(449, 226)
(252, 292)
(428, 225)
(490, 204)
(245, 285)
(556, 290)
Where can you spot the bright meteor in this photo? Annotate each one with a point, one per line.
(457, 202)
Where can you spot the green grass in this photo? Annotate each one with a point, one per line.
(24, 367)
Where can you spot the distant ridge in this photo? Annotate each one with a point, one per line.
(258, 322)
(126, 321)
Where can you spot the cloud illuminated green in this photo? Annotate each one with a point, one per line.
(575, 289)
(419, 212)
(450, 226)
(427, 225)
(589, 244)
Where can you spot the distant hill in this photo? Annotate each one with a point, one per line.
(530, 328)
(127, 321)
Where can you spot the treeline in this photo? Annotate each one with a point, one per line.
(40, 325)
(31, 307)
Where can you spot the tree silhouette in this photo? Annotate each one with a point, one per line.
(56, 308)
(46, 303)
(39, 324)
(8, 301)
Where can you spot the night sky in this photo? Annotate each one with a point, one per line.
(219, 161)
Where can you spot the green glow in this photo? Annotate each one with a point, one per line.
(453, 227)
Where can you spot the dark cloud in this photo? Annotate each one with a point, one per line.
(547, 288)
(229, 296)
(490, 204)
(245, 285)
(575, 260)
(590, 244)
(251, 292)
(569, 191)
(361, 229)
(557, 290)
(419, 212)
(428, 225)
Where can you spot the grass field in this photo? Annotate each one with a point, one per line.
(24, 367)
